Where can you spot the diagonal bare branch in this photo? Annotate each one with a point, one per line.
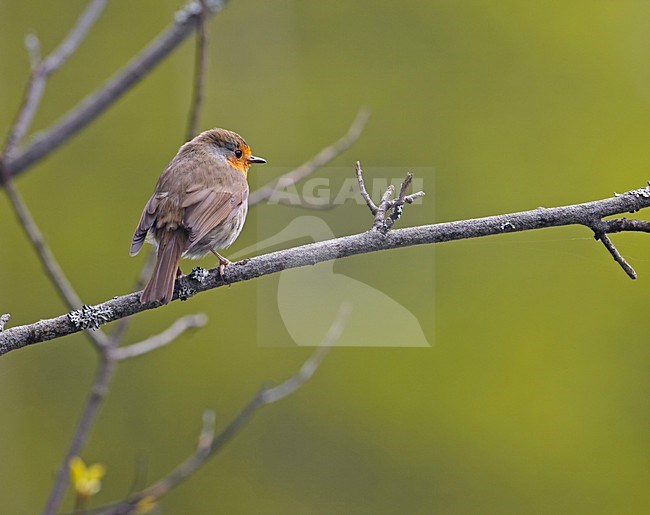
(98, 391)
(185, 22)
(609, 245)
(318, 161)
(160, 340)
(587, 214)
(209, 445)
(31, 101)
(78, 33)
(109, 358)
(49, 262)
(41, 71)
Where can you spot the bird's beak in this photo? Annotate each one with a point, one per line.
(253, 159)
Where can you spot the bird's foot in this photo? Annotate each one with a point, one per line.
(222, 264)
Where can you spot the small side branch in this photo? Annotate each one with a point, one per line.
(185, 22)
(160, 340)
(602, 236)
(380, 222)
(42, 69)
(109, 359)
(33, 94)
(383, 221)
(362, 188)
(3, 321)
(97, 394)
(624, 225)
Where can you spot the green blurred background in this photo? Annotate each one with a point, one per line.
(534, 395)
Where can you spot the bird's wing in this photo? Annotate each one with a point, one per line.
(146, 221)
(207, 208)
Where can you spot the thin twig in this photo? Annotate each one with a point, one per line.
(32, 97)
(33, 46)
(409, 199)
(160, 340)
(98, 392)
(379, 223)
(3, 321)
(207, 433)
(625, 224)
(586, 214)
(616, 254)
(208, 446)
(362, 188)
(398, 204)
(199, 71)
(319, 160)
(310, 366)
(383, 222)
(72, 41)
(109, 358)
(312, 203)
(185, 21)
(41, 71)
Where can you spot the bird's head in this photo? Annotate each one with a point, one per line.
(233, 147)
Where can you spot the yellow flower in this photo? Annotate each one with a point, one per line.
(86, 480)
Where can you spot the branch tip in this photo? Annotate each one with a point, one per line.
(33, 46)
(318, 161)
(207, 431)
(600, 235)
(160, 340)
(384, 222)
(3, 321)
(362, 188)
(98, 101)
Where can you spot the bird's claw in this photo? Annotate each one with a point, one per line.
(222, 267)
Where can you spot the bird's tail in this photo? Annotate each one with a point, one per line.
(160, 287)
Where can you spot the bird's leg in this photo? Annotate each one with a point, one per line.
(222, 263)
(179, 272)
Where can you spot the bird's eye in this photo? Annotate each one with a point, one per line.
(238, 153)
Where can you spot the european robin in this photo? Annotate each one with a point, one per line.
(198, 207)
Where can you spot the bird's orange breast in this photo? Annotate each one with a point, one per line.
(240, 164)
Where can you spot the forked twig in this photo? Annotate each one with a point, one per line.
(185, 22)
(32, 97)
(383, 221)
(41, 70)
